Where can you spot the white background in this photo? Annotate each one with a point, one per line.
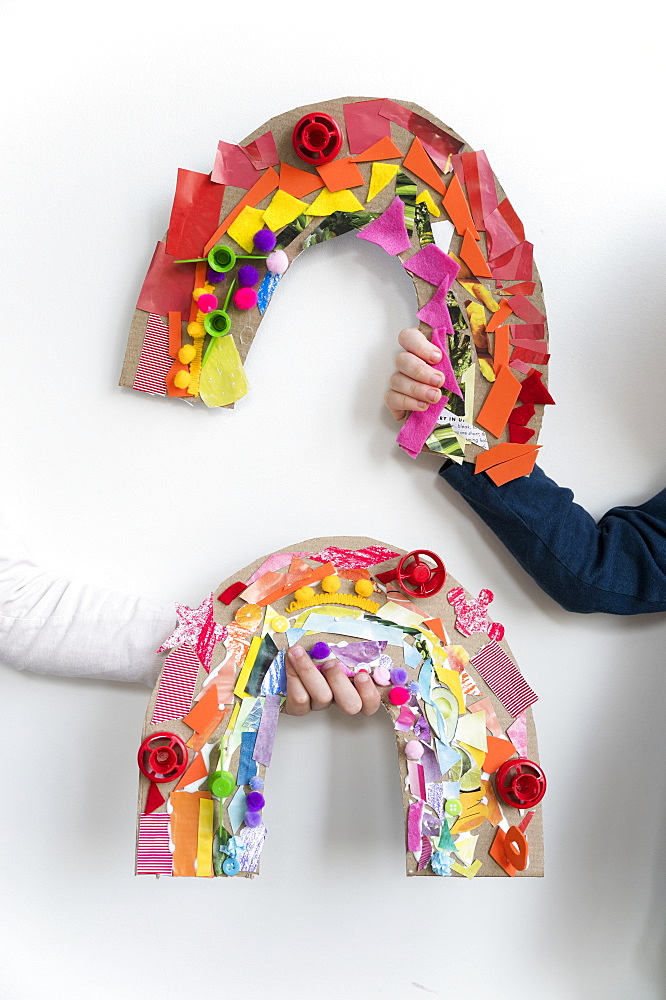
(100, 105)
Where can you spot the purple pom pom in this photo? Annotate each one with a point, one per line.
(398, 675)
(413, 687)
(214, 277)
(248, 276)
(252, 819)
(265, 240)
(320, 651)
(256, 783)
(256, 801)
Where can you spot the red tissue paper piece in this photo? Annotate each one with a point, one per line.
(233, 166)
(504, 229)
(480, 182)
(371, 555)
(515, 265)
(232, 592)
(195, 213)
(365, 125)
(504, 678)
(524, 309)
(533, 390)
(262, 152)
(439, 145)
(154, 362)
(389, 230)
(167, 287)
(433, 265)
(527, 331)
(471, 616)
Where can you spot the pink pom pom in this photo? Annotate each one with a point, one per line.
(245, 298)
(381, 676)
(207, 302)
(399, 696)
(413, 750)
(277, 262)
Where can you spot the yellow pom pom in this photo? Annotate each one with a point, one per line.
(187, 354)
(196, 330)
(330, 584)
(196, 293)
(364, 588)
(181, 380)
(304, 594)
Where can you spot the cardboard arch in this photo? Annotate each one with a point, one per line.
(223, 684)
(480, 296)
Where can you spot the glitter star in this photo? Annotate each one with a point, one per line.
(191, 623)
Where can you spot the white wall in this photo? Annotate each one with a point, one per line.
(101, 104)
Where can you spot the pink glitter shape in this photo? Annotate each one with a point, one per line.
(471, 616)
(191, 622)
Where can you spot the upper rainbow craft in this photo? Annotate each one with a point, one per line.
(392, 172)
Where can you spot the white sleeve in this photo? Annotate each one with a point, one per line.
(52, 626)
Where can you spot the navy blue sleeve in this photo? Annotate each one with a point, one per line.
(617, 566)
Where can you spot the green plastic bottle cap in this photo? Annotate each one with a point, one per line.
(222, 259)
(221, 784)
(217, 323)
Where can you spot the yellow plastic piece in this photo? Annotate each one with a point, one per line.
(181, 380)
(358, 602)
(331, 584)
(364, 588)
(304, 594)
(223, 379)
(427, 198)
(249, 615)
(196, 330)
(186, 354)
(382, 174)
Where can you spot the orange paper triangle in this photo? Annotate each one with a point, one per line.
(499, 750)
(418, 162)
(196, 772)
(471, 254)
(298, 182)
(385, 149)
(457, 209)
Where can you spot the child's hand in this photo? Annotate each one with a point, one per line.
(415, 385)
(309, 688)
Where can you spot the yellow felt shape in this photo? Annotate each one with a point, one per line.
(382, 174)
(328, 202)
(283, 209)
(471, 730)
(245, 227)
(427, 198)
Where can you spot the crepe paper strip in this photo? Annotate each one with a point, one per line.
(383, 149)
(197, 771)
(364, 124)
(501, 399)
(232, 592)
(517, 733)
(298, 182)
(468, 872)
(179, 676)
(388, 231)
(154, 799)
(433, 265)
(204, 865)
(263, 747)
(416, 780)
(265, 655)
(154, 361)
(282, 210)
(522, 414)
(426, 198)
(381, 175)
(504, 678)
(496, 852)
(501, 348)
(471, 730)
(185, 830)
(471, 254)
(246, 226)
(246, 669)
(342, 201)
(233, 166)
(265, 185)
(418, 162)
(153, 856)
(223, 380)
(516, 264)
(414, 816)
(340, 174)
(504, 230)
(480, 183)
(262, 152)
(439, 145)
(196, 210)
(457, 209)
(499, 750)
(534, 391)
(519, 434)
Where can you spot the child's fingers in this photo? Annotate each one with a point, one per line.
(414, 342)
(306, 688)
(369, 692)
(412, 389)
(345, 695)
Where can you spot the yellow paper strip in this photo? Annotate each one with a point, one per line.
(205, 839)
(247, 667)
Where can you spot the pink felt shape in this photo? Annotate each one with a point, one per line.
(420, 424)
(389, 231)
(435, 312)
(433, 265)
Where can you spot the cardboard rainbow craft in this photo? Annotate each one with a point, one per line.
(402, 180)
(461, 710)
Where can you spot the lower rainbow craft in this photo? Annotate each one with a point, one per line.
(399, 178)
(466, 744)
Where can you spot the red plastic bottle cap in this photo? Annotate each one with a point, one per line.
(520, 783)
(419, 573)
(162, 757)
(317, 138)
(418, 577)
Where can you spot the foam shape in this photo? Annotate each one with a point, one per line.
(457, 209)
(340, 174)
(501, 399)
(501, 348)
(341, 201)
(471, 254)
(508, 471)
(244, 228)
(381, 175)
(283, 209)
(426, 198)
(504, 452)
(389, 231)
(383, 149)
(298, 182)
(418, 162)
